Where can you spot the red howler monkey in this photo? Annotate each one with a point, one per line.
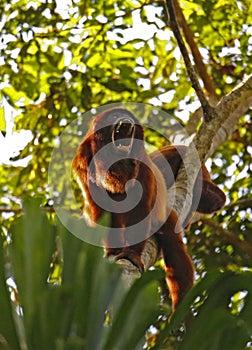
(109, 164)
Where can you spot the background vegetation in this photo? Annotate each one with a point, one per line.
(56, 63)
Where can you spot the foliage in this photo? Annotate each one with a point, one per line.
(55, 65)
(81, 302)
(86, 309)
(222, 309)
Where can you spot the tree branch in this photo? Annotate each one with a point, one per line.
(227, 128)
(200, 66)
(190, 69)
(232, 107)
(229, 236)
(183, 188)
(225, 115)
(235, 103)
(149, 256)
(241, 202)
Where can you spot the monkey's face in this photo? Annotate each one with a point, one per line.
(117, 128)
(117, 147)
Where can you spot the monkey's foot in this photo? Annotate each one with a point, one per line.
(112, 252)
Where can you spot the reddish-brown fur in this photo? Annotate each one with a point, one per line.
(207, 197)
(148, 170)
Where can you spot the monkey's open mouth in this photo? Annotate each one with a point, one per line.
(123, 134)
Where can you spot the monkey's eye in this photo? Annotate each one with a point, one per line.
(123, 134)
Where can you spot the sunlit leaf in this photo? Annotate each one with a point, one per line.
(2, 118)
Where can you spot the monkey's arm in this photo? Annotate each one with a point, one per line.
(81, 169)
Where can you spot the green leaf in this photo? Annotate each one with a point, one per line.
(2, 116)
(142, 299)
(31, 250)
(214, 320)
(94, 60)
(8, 331)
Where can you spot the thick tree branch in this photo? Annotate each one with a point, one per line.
(235, 103)
(193, 121)
(228, 126)
(149, 256)
(230, 108)
(182, 190)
